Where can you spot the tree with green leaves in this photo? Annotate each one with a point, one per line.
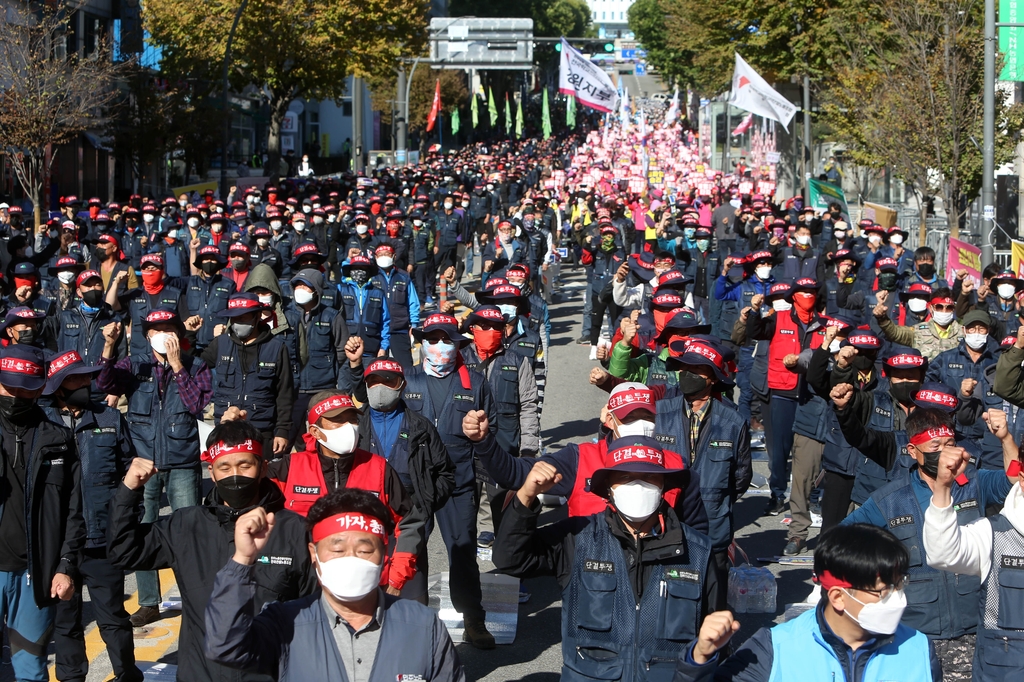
(291, 48)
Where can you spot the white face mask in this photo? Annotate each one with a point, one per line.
(317, 220)
(1006, 291)
(307, 209)
(636, 500)
(193, 222)
(172, 234)
(976, 341)
(781, 305)
(763, 272)
(803, 239)
(303, 296)
(882, 617)
(362, 228)
(418, 223)
(405, 192)
(348, 578)
(917, 305)
(158, 342)
(640, 427)
(217, 228)
(508, 310)
(942, 318)
(341, 440)
(896, 239)
(839, 234)
(66, 277)
(147, 217)
(875, 239)
(448, 205)
(385, 261)
(275, 224)
(266, 299)
(833, 347)
(262, 242)
(299, 227)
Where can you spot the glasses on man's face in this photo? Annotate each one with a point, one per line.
(885, 591)
(940, 308)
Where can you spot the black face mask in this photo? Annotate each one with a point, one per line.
(926, 270)
(16, 410)
(238, 491)
(359, 276)
(931, 464)
(210, 267)
(79, 397)
(26, 337)
(863, 363)
(887, 281)
(691, 383)
(93, 298)
(904, 392)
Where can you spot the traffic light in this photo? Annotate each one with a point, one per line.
(558, 47)
(609, 47)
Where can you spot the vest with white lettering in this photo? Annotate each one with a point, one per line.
(162, 428)
(939, 604)
(140, 306)
(870, 475)
(306, 483)
(322, 365)
(250, 388)
(606, 634)
(999, 652)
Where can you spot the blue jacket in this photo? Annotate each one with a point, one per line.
(805, 648)
(293, 641)
(366, 313)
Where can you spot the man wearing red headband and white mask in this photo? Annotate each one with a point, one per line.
(333, 460)
(940, 332)
(196, 541)
(351, 630)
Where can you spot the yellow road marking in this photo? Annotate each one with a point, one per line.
(149, 646)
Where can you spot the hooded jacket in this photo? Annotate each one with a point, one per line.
(262, 276)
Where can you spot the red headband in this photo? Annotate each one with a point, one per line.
(946, 300)
(335, 402)
(340, 523)
(931, 434)
(220, 449)
(828, 581)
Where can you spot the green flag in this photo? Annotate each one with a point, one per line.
(519, 119)
(473, 110)
(545, 117)
(491, 108)
(455, 121)
(508, 118)
(570, 111)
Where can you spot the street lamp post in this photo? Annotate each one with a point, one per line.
(988, 211)
(226, 130)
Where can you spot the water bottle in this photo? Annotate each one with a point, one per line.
(773, 594)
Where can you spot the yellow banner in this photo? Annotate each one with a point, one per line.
(199, 187)
(1017, 257)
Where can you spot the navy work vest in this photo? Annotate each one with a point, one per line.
(140, 306)
(999, 652)
(939, 604)
(870, 475)
(503, 381)
(397, 294)
(163, 431)
(368, 322)
(251, 388)
(208, 298)
(321, 370)
(606, 634)
(713, 461)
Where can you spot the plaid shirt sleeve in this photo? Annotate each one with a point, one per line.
(114, 378)
(195, 391)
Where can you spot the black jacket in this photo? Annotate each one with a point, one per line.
(431, 469)
(56, 529)
(196, 542)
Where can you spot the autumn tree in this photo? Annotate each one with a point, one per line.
(51, 94)
(291, 48)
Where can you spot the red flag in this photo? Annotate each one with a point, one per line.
(435, 108)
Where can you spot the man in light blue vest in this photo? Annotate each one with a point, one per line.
(854, 634)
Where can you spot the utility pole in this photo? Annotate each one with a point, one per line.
(225, 135)
(808, 156)
(357, 124)
(402, 126)
(988, 209)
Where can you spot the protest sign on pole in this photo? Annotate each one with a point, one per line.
(752, 93)
(823, 194)
(588, 82)
(963, 256)
(1017, 257)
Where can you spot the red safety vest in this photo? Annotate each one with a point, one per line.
(306, 484)
(585, 503)
(785, 342)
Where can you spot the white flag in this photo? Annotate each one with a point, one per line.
(588, 82)
(752, 93)
(673, 109)
(624, 108)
